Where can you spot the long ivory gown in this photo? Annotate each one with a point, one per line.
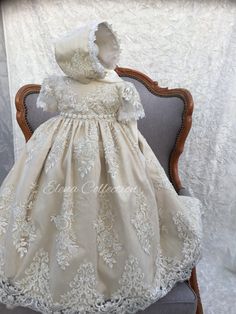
(89, 222)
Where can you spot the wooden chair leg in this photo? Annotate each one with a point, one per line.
(194, 285)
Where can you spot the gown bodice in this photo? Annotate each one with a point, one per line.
(96, 100)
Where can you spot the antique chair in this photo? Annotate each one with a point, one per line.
(166, 126)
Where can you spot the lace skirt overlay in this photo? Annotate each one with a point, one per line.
(89, 222)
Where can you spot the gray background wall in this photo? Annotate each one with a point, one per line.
(6, 137)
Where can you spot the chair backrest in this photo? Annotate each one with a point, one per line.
(165, 127)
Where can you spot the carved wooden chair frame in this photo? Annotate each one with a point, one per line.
(154, 88)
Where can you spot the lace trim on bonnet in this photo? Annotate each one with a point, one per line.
(84, 64)
(93, 48)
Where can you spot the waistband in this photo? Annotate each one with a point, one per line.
(87, 116)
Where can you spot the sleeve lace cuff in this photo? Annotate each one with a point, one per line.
(131, 107)
(47, 98)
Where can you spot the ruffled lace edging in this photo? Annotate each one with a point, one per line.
(47, 99)
(131, 107)
(93, 51)
(42, 105)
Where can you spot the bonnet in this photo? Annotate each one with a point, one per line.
(89, 53)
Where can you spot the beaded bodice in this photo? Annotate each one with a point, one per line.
(99, 100)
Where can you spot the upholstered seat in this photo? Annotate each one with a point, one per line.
(166, 126)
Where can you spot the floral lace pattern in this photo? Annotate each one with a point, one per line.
(59, 145)
(111, 153)
(181, 220)
(131, 106)
(108, 244)
(35, 284)
(67, 246)
(133, 291)
(142, 222)
(86, 150)
(83, 295)
(160, 180)
(133, 294)
(84, 64)
(37, 140)
(121, 98)
(24, 231)
(80, 66)
(69, 275)
(34, 145)
(157, 173)
(173, 268)
(6, 198)
(134, 143)
(103, 99)
(47, 97)
(83, 290)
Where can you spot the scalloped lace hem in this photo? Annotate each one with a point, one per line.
(12, 297)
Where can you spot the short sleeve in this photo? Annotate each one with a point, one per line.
(131, 107)
(47, 98)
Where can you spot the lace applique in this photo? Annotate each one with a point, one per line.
(142, 222)
(6, 199)
(59, 146)
(134, 144)
(108, 244)
(35, 284)
(133, 292)
(34, 144)
(23, 230)
(111, 152)
(102, 100)
(132, 295)
(67, 246)
(131, 107)
(159, 178)
(70, 99)
(170, 270)
(47, 98)
(80, 66)
(85, 64)
(37, 140)
(160, 181)
(161, 214)
(83, 293)
(194, 209)
(86, 150)
(182, 222)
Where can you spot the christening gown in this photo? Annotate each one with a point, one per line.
(89, 222)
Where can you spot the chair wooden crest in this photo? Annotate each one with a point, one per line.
(166, 127)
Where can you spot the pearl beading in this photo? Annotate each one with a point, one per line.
(87, 116)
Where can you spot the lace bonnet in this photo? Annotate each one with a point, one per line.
(89, 52)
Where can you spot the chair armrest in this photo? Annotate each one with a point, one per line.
(184, 192)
